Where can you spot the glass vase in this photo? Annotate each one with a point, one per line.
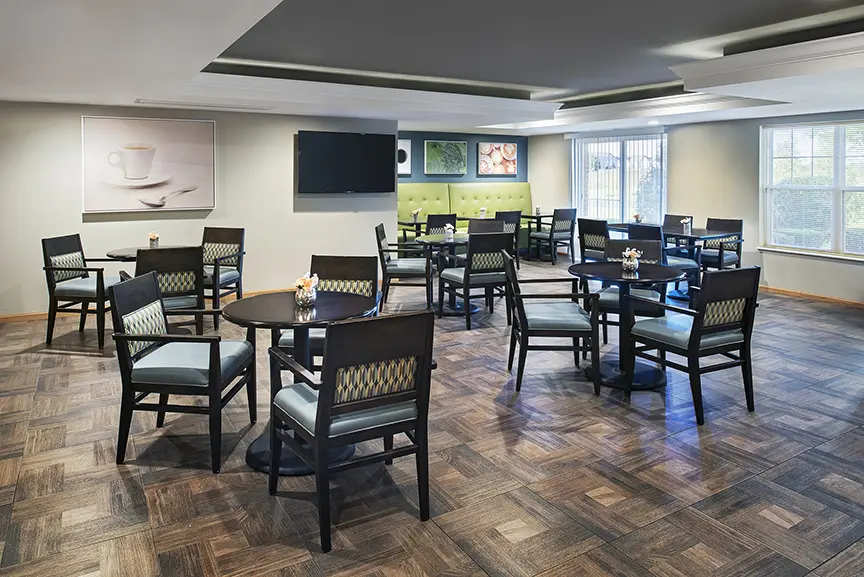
(154, 243)
(305, 298)
(630, 264)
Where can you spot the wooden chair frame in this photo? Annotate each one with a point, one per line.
(402, 250)
(228, 236)
(180, 259)
(558, 215)
(514, 218)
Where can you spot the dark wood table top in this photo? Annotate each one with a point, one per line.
(536, 216)
(280, 310)
(130, 254)
(459, 238)
(411, 222)
(678, 230)
(612, 272)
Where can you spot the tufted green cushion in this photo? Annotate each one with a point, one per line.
(429, 197)
(407, 267)
(675, 330)
(301, 402)
(467, 198)
(456, 275)
(189, 363)
(83, 287)
(557, 316)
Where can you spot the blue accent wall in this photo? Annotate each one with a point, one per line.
(417, 174)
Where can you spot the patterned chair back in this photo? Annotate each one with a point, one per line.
(512, 220)
(220, 242)
(375, 362)
(727, 299)
(593, 235)
(652, 250)
(563, 220)
(484, 252)
(733, 226)
(63, 251)
(382, 244)
(179, 271)
(648, 232)
(435, 222)
(484, 225)
(349, 274)
(136, 307)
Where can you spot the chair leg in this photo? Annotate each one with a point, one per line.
(466, 300)
(239, 289)
(576, 341)
(322, 487)
(83, 322)
(217, 295)
(100, 323)
(520, 369)
(553, 250)
(251, 394)
(422, 457)
(388, 446)
(489, 297)
(386, 288)
(215, 432)
(508, 309)
(199, 323)
(512, 349)
(571, 248)
(160, 415)
(275, 454)
(52, 316)
(605, 322)
(595, 361)
(440, 298)
(126, 408)
(429, 292)
(696, 389)
(747, 373)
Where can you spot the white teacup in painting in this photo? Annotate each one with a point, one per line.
(135, 160)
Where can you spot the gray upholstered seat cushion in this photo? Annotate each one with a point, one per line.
(189, 363)
(595, 254)
(712, 256)
(407, 267)
(301, 402)
(675, 330)
(681, 263)
(83, 287)
(456, 276)
(316, 339)
(544, 235)
(557, 316)
(182, 302)
(227, 275)
(609, 299)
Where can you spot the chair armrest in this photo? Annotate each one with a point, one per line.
(408, 248)
(122, 337)
(219, 259)
(292, 365)
(541, 280)
(408, 244)
(663, 306)
(124, 276)
(74, 268)
(101, 259)
(571, 296)
(214, 312)
(458, 258)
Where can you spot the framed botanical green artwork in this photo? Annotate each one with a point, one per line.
(445, 157)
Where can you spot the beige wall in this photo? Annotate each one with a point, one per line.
(549, 171)
(40, 196)
(714, 171)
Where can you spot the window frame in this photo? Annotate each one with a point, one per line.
(838, 189)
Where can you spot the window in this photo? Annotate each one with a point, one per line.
(615, 177)
(813, 188)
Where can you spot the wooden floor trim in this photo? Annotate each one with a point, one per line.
(810, 296)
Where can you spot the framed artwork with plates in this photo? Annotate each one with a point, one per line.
(497, 158)
(147, 164)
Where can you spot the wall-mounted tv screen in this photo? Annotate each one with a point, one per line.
(345, 162)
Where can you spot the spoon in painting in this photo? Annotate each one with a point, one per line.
(160, 202)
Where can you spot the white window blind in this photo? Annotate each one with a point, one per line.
(615, 177)
(813, 187)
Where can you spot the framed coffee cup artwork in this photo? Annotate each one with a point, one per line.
(147, 164)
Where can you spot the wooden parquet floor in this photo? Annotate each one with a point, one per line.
(552, 481)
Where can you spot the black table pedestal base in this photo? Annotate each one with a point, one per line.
(647, 376)
(457, 309)
(258, 457)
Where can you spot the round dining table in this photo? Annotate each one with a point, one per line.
(444, 248)
(130, 254)
(624, 371)
(278, 312)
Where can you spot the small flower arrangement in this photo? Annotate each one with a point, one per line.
(306, 282)
(687, 224)
(638, 218)
(449, 229)
(537, 210)
(482, 212)
(686, 220)
(414, 214)
(631, 260)
(632, 253)
(306, 293)
(153, 237)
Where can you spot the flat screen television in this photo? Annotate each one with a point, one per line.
(342, 162)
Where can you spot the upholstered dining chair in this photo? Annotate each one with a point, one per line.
(155, 362)
(719, 321)
(72, 282)
(374, 385)
(562, 318)
(652, 253)
(180, 272)
(593, 236)
(560, 233)
(512, 220)
(484, 225)
(347, 274)
(224, 249)
(721, 253)
(481, 268)
(403, 268)
(674, 221)
(690, 266)
(435, 222)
